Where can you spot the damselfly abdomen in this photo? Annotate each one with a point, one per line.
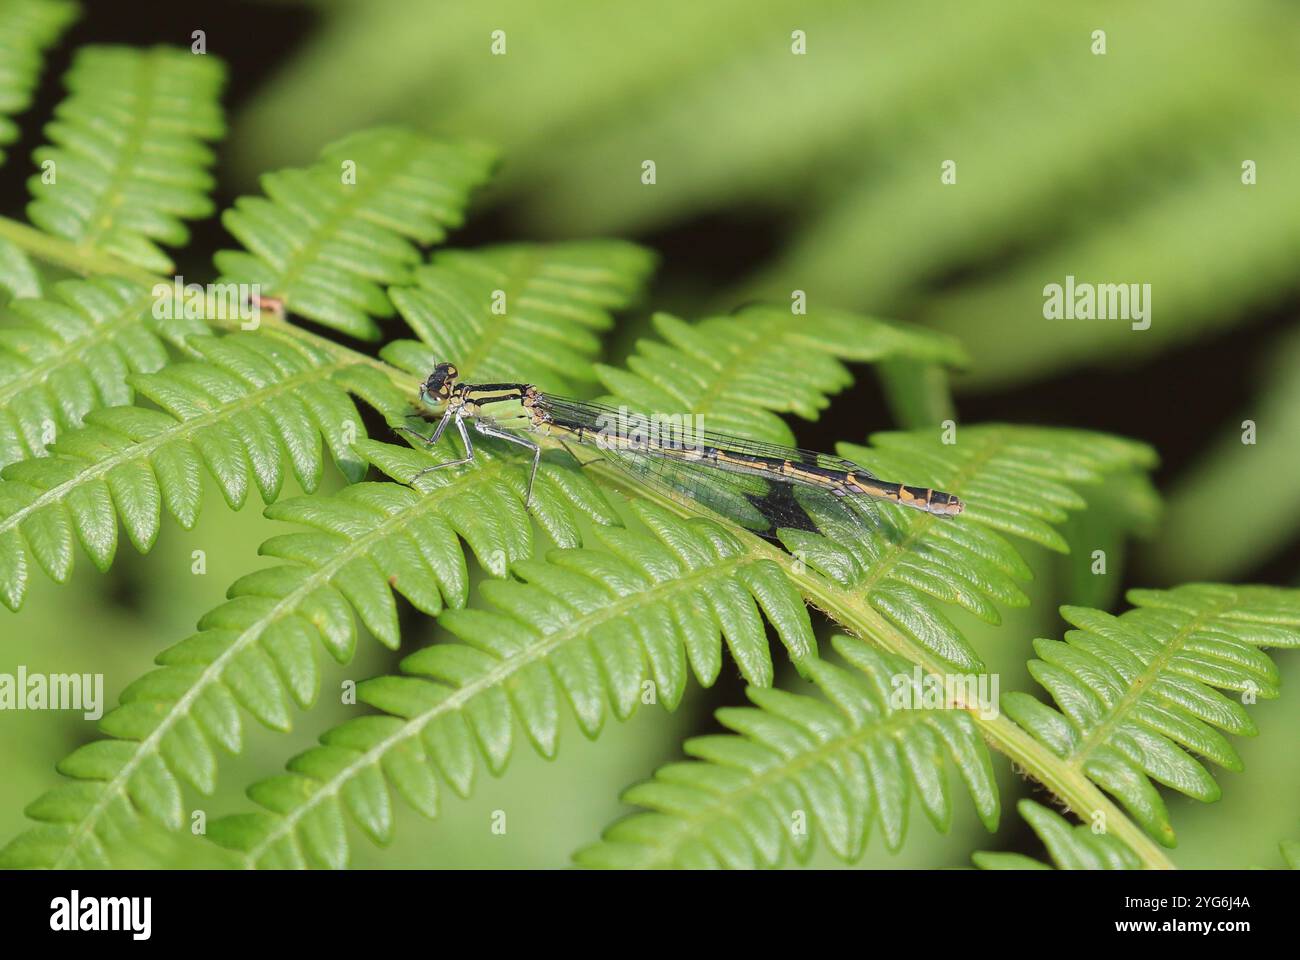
(763, 487)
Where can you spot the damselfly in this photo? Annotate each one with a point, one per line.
(763, 487)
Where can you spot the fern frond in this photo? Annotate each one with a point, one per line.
(129, 162)
(27, 29)
(256, 650)
(19, 277)
(326, 239)
(1014, 480)
(596, 628)
(531, 312)
(800, 768)
(1071, 847)
(742, 369)
(247, 409)
(1136, 694)
(73, 353)
(35, 513)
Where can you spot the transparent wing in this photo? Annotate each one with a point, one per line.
(761, 504)
(677, 430)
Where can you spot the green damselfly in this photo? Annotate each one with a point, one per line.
(764, 487)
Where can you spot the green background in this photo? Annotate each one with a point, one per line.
(778, 172)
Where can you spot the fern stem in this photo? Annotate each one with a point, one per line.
(406, 382)
(1069, 784)
(70, 256)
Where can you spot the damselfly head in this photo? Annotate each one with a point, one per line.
(440, 382)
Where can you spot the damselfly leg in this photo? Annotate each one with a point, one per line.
(487, 429)
(464, 436)
(432, 438)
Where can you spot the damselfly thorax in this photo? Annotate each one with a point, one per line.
(760, 486)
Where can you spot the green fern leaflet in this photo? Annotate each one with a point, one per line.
(326, 239)
(75, 352)
(129, 160)
(1137, 694)
(799, 769)
(1071, 847)
(248, 410)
